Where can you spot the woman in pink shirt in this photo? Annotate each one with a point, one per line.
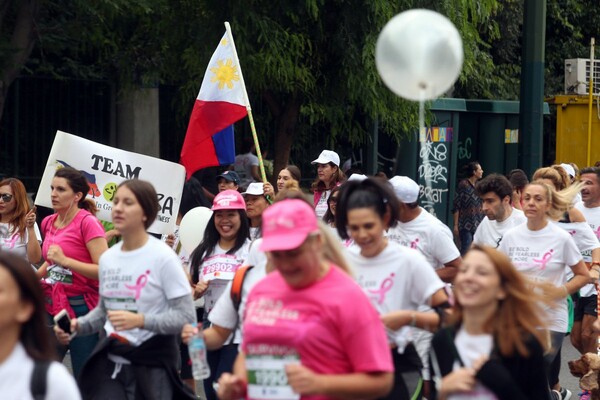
(301, 339)
(73, 242)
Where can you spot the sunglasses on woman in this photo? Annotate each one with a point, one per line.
(6, 197)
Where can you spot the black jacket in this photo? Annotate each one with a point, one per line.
(509, 378)
(159, 351)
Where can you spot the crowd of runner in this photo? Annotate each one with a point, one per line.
(352, 291)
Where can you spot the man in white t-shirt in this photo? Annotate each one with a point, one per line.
(420, 230)
(496, 193)
(583, 336)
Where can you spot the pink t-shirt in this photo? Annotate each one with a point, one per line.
(329, 327)
(61, 282)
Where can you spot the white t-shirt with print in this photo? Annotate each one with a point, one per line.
(321, 207)
(490, 233)
(398, 278)
(15, 378)
(12, 242)
(218, 269)
(471, 348)
(429, 236)
(542, 256)
(141, 281)
(224, 313)
(592, 217)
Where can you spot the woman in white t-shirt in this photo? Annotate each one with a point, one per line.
(541, 251)
(398, 280)
(223, 249)
(492, 349)
(19, 232)
(329, 175)
(145, 299)
(25, 342)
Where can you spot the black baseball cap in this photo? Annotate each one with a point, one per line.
(230, 176)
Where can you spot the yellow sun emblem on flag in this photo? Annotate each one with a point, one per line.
(225, 73)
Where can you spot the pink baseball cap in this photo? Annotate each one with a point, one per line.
(287, 224)
(229, 200)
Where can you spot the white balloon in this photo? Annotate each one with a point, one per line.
(419, 54)
(192, 226)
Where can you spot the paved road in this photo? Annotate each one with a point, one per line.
(566, 379)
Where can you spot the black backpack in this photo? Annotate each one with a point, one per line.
(39, 379)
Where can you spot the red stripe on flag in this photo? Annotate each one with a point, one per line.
(208, 118)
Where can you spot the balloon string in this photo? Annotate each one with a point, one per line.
(424, 150)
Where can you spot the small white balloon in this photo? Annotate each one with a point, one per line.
(192, 226)
(419, 54)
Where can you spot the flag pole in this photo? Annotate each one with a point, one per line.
(261, 165)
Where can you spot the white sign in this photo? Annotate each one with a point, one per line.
(105, 167)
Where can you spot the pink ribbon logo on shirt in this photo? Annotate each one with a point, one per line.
(597, 232)
(572, 233)
(414, 243)
(385, 287)
(141, 281)
(545, 259)
(10, 243)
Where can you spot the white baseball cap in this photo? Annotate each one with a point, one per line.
(357, 177)
(255, 188)
(405, 188)
(326, 157)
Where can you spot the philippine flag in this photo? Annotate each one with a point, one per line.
(209, 139)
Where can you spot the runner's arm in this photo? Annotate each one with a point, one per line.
(179, 312)
(93, 321)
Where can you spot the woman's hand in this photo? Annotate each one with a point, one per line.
(303, 380)
(56, 255)
(170, 239)
(30, 218)
(461, 380)
(63, 337)
(268, 190)
(187, 332)
(200, 289)
(231, 387)
(396, 319)
(125, 320)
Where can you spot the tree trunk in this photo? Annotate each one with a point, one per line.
(22, 42)
(285, 133)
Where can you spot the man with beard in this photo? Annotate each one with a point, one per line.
(495, 192)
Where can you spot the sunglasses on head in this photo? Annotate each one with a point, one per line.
(6, 197)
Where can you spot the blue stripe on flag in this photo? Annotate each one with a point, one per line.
(224, 142)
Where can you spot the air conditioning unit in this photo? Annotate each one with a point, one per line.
(577, 76)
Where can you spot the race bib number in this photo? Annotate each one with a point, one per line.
(59, 274)
(220, 266)
(267, 379)
(117, 303)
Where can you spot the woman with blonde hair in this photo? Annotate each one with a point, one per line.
(493, 345)
(300, 337)
(541, 250)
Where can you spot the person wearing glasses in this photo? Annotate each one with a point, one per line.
(19, 233)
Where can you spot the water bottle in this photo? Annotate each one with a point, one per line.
(197, 350)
